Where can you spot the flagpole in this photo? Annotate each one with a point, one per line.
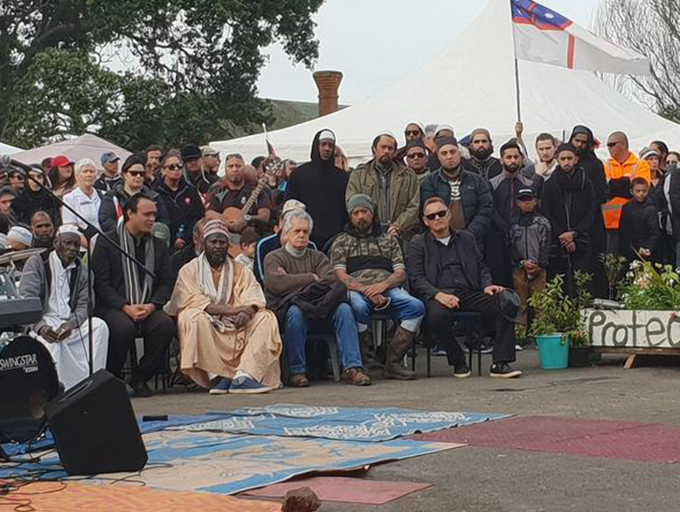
(519, 97)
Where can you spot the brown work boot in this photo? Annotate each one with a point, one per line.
(400, 345)
(357, 377)
(367, 351)
(298, 380)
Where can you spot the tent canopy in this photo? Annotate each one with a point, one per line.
(6, 149)
(471, 84)
(85, 146)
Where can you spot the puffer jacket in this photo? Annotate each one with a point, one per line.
(114, 201)
(530, 239)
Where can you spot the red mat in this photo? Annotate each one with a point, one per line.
(347, 490)
(648, 442)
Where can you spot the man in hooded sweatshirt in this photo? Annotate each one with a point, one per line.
(481, 162)
(583, 140)
(393, 188)
(569, 205)
(321, 186)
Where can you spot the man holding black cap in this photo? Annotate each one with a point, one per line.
(530, 240)
(321, 186)
(393, 188)
(447, 272)
(466, 194)
(110, 177)
(193, 170)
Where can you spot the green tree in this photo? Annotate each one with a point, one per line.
(195, 60)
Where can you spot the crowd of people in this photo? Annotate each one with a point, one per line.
(272, 254)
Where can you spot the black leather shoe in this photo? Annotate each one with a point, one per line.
(504, 371)
(141, 389)
(461, 370)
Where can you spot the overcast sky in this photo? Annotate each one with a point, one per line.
(375, 42)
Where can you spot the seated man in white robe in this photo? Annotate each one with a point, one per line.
(61, 284)
(229, 342)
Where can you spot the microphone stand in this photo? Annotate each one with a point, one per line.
(89, 234)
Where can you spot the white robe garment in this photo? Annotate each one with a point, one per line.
(71, 355)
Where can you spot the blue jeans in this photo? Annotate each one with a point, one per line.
(403, 307)
(346, 336)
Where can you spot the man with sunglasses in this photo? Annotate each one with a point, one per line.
(113, 203)
(393, 188)
(620, 170)
(447, 272)
(416, 159)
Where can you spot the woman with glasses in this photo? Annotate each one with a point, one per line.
(134, 172)
(181, 200)
(84, 199)
(35, 198)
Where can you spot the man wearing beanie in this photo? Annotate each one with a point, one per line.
(371, 265)
(481, 162)
(465, 193)
(393, 188)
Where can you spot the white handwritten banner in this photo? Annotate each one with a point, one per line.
(633, 329)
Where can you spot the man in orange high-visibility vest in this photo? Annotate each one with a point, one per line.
(620, 170)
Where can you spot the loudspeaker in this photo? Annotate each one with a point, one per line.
(94, 428)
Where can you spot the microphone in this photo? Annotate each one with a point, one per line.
(7, 161)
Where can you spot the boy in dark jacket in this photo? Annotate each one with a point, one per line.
(639, 227)
(529, 236)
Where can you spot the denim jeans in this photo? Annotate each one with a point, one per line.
(346, 336)
(403, 307)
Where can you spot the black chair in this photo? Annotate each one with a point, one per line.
(468, 318)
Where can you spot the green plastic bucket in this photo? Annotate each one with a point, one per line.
(553, 351)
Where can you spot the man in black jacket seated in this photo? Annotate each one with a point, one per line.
(128, 299)
(447, 272)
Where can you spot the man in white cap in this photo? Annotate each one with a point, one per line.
(211, 160)
(229, 341)
(19, 238)
(321, 186)
(61, 284)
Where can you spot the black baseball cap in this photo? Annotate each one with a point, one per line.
(526, 193)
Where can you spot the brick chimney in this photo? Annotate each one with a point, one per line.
(328, 83)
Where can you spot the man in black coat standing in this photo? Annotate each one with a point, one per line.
(447, 272)
(129, 300)
(583, 140)
(569, 205)
(321, 186)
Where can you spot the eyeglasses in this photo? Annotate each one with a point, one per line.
(416, 155)
(612, 144)
(173, 167)
(137, 174)
(437, 215)
(415, 133)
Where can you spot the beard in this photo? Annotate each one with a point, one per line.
(512, 169)
(481, 153)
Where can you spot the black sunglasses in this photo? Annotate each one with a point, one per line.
(137, 174)
(612, 144)
(173, 167)
(416, 155)
(437, 215)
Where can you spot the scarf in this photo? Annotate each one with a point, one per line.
(219, 295)
(572, 182)
(136, 290)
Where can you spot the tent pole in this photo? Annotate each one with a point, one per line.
(519, 100)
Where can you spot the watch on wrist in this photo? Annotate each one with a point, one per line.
(247, 217)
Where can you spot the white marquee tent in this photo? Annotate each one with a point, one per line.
(6, 149)
(472, 84)
(85, 146)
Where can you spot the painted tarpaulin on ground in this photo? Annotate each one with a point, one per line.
(229, 463)
(343, 423)
(145, 427)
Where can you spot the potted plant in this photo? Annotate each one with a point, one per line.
(557, 326)
(580, 350)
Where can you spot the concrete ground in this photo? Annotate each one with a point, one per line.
(473, 479)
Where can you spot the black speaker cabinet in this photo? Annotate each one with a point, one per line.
(95, 429)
